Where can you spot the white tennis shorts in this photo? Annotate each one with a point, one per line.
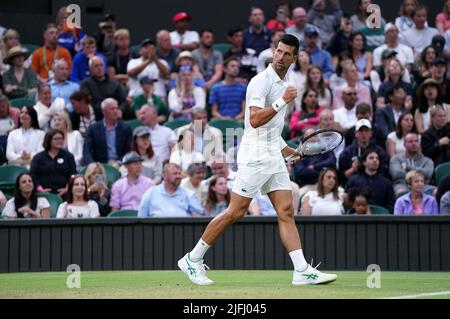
(250, 180)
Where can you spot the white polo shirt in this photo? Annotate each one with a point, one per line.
(346, 118)
(186, 38)
(261, 147)
(150, 71)
(162, 139)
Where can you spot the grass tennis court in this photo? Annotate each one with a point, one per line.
(228, 284)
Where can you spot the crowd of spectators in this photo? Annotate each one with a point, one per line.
(67, 111)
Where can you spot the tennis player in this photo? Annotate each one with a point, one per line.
(261, 166)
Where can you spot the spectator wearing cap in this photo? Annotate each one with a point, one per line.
(100, 86)
(181, 37)
(436, 140)
(118, 62)
(83, 114)
(151, 163)
(404, 53)
(162, 138)
(227, 98)
(438, 71)
(186, 59)
(196, 174)
(319, 57)
(105, 35)
(147, 65)
(438, 43)
(128, 191)
(257, 36)
(18, 81)
(60, 86)
(349, 160)
(325, 19)
(165, 49)
(208, 139)
(44, 57)
(169, 199)
(300, 24)
(185, 95)
(208, 60)
(248, 58)
(369, 177)
(148, 97)
(420, 36)
(107, 141)
(378, 74)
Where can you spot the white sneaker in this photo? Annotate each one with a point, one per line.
(195, 271)
(311, 276)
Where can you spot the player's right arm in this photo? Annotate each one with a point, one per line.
(260, 116)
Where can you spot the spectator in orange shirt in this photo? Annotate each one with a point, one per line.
(44, 57)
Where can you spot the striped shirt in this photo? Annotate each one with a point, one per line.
(228, 98)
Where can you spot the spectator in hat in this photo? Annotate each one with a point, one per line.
(325, 19)
(438, 72)
(127, 192)
(105, 36)
(60, 86)
(404, 53)
(151, 162)
(186, 59)
(169, 199)
(148, 97)
(147, 65)
(257, 36)
(18, 81)
(118, 62)
(44, 57)
(438, 43)
(429, 94)
(80, 66)
(248, 58)
(9, 39)
(319, 57)
(182, 38)
(100, 86)
(165, 50)
(208, 60)
(418, 38)
(107, 141)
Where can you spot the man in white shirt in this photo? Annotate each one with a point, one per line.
(420, 36)
(404, 53)
(181, 37)
(147, 65)
(346, 116)
(162, 138)
(261, 166)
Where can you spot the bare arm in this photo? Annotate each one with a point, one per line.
(305, 209)
(240, 116)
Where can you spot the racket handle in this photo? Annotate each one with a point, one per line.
(291, 158)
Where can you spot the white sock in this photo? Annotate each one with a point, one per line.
(199, 251)
(298, 260)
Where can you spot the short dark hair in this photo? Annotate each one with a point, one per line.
(49, 25)
(229, 59)
(394, 88)
(356, 192)
(421, 7)
(290, 40)
(234, 30)
(49, 136)
(363, 108)
(80, 96)
(204, 31)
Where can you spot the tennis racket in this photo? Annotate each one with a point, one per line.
(320, 142)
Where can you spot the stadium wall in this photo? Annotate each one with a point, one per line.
(340, 243)
(145, 18)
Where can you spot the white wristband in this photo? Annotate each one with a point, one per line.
(279, 104)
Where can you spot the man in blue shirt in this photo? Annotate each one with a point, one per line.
(257, 36)
(61, 86)
(227, 98)
(80, 66)
(169, 199)
(319, 57)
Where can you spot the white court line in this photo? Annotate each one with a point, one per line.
(431, 294)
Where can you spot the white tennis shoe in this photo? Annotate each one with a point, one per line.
(311, 276)
(196, 271)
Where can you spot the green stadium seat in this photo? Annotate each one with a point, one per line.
(223, 125)
(174, 124)
(221, 47)
(441, 171)
(8, 176)
(378, 210)
(21, 102)
(30, 47)
(112, 173)
(123, 214)
(54, 201)
(133, 123)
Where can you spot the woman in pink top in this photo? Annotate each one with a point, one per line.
(308, 115)
(443, 18)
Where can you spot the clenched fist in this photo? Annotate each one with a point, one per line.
(290, 94)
